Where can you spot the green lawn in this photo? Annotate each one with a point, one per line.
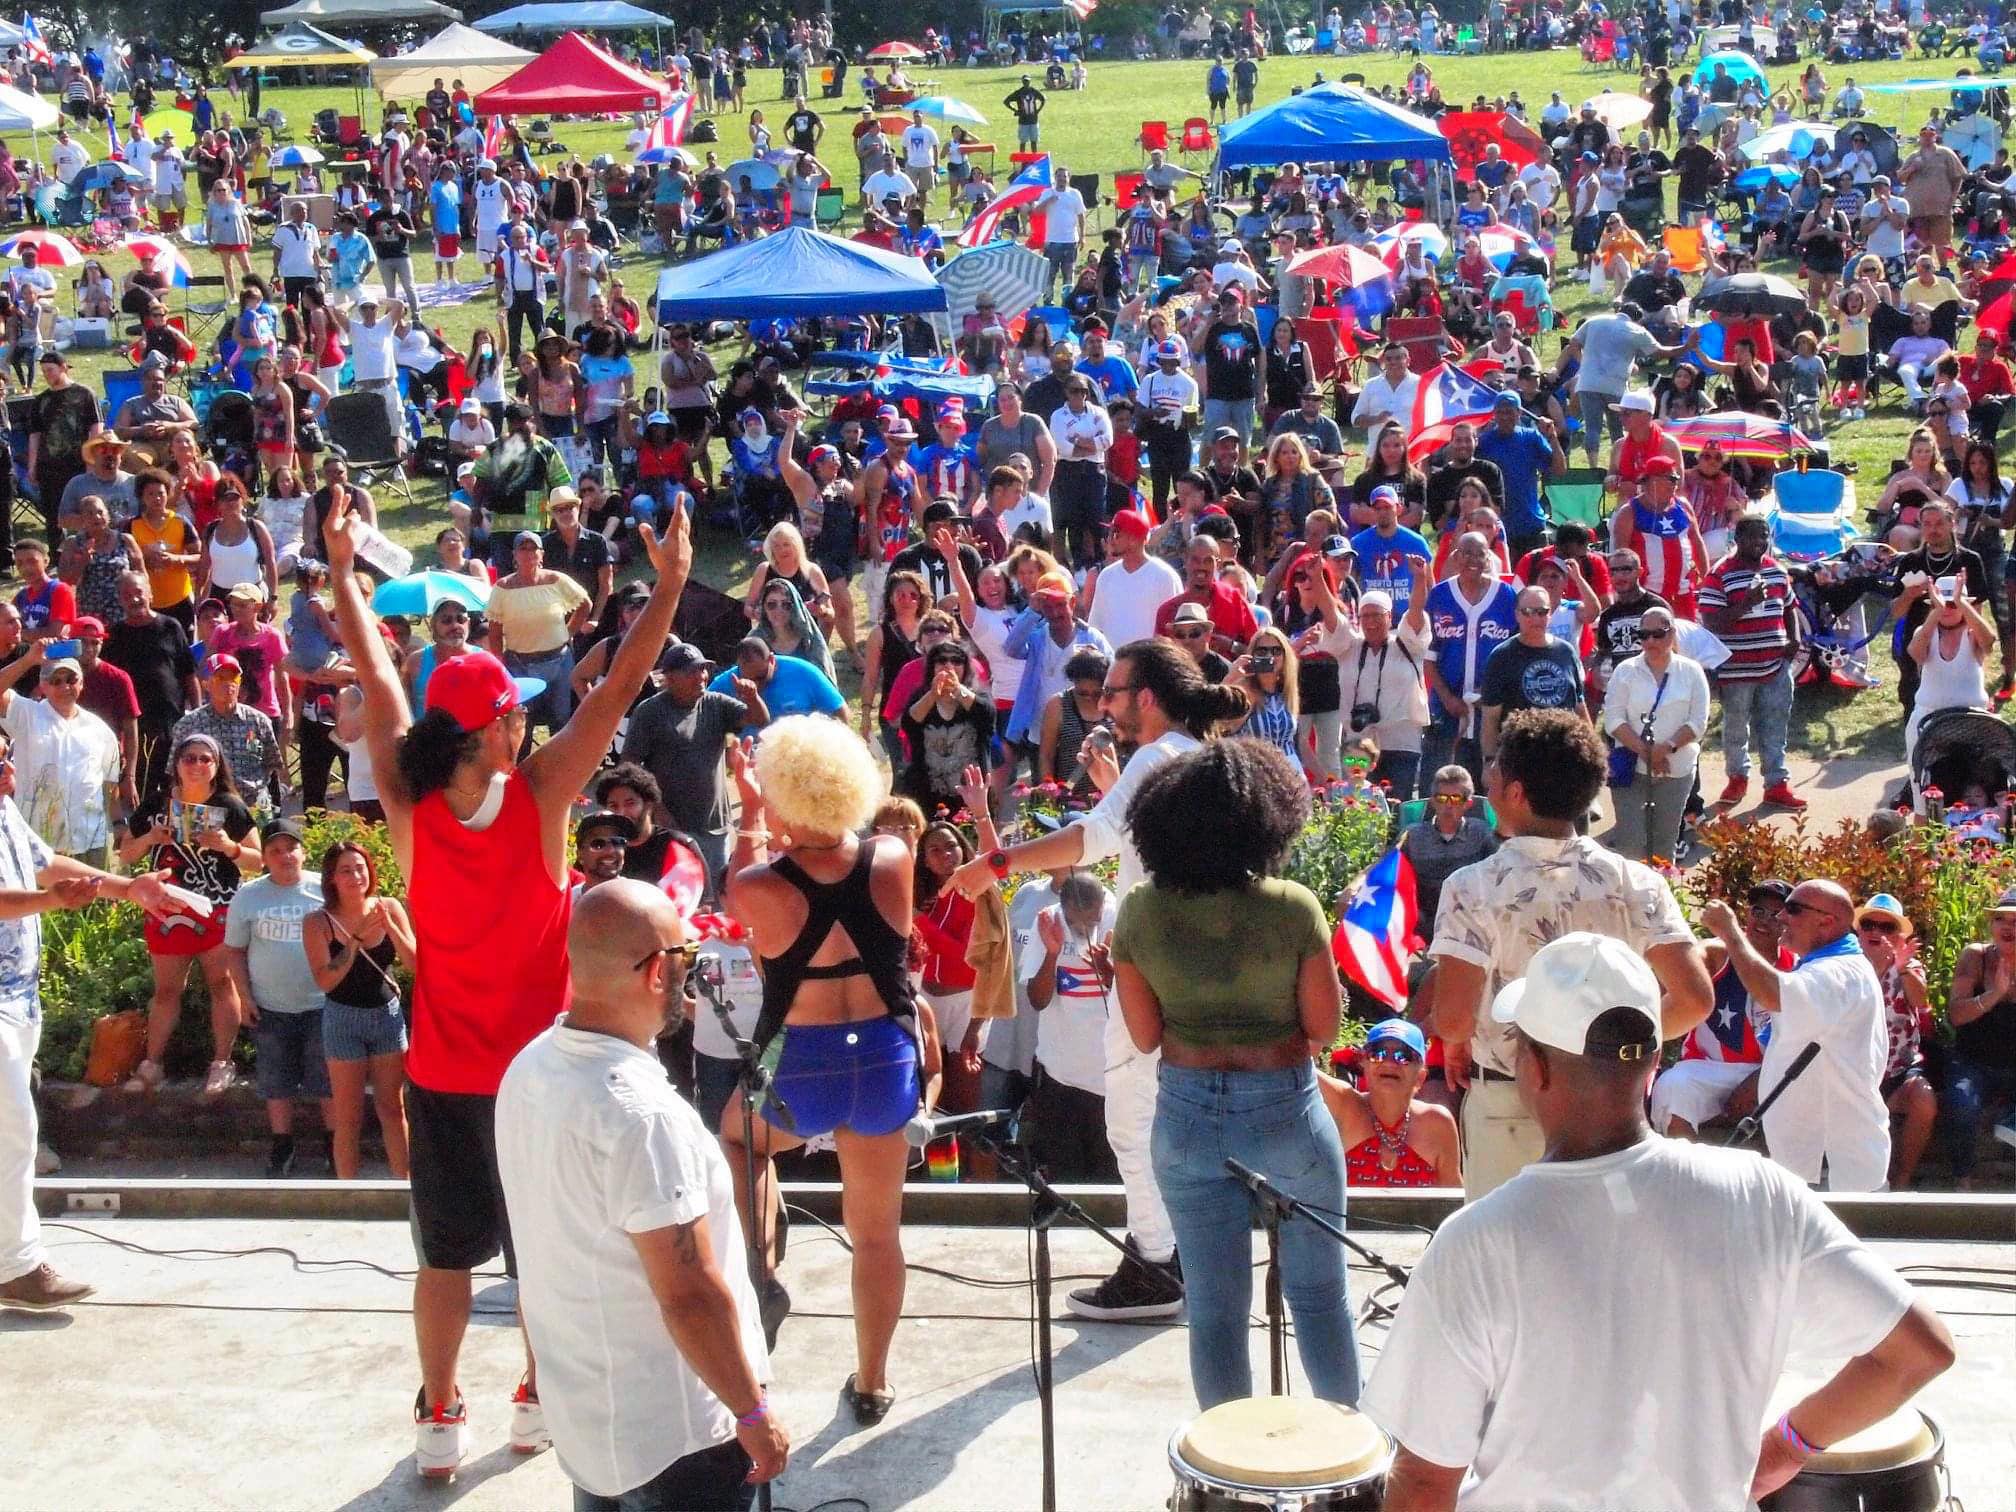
(1095, 131)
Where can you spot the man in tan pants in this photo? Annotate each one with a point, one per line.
(1546, 881)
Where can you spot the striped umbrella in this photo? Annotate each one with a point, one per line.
(296, 156)
(1740, 434)
(898, 50)
(51, 250)
(167, 256)
(1009, 271)
(1392, 245)
(1342, 264)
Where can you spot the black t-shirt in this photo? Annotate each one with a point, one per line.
(63, 417)
(1245, 74)
(1959, 562)
(923, 559)
(1519, 676)
(1443, 481)
(1232, 353)
(583, 562)
(157, 656)
(389, 233)
(1695, 165)
(1617, 628)
(1654, 291)
(208, 873)
(1242, 480)
(803, 129)
(941, 749)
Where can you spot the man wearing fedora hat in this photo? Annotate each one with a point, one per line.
(104, 476)
(1492, 1376)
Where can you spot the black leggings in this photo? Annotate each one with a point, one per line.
(319, 752)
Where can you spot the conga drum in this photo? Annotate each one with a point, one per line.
(1286, 1454)
(1897, 1465)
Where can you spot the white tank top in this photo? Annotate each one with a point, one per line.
(232, 565)
(1124, 604)
(359, 781)
(1953, 682)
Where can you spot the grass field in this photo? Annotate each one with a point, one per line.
(1094, 130)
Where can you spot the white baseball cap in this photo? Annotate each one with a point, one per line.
(1639, 402)
(1573, 981)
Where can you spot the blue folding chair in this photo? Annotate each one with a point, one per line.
(121, 384)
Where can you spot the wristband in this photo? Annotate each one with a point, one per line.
(755, 1414)
(1794, 1440)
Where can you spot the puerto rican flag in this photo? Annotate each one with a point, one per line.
(38, 50)
(1376, 941)
(669, 130)
(1731, 1030)
(1443, 397)
(1026, 188)
(493, 139)
(1081, 8)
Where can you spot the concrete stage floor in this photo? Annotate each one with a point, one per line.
(248, 1383)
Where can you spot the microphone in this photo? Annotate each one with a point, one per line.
(925, 1129)
(1752, 1121)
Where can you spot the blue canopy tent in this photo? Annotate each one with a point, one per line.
(799, 273)
(1331, 123)
(590, 16)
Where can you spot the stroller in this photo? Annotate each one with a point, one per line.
(1963, 751)
(1832, 571)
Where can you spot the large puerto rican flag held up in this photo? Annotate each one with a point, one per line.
(1026, 188)
(1444, 396)
(669, 130)
(1376, 941)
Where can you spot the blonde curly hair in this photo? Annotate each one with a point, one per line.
(817, 775)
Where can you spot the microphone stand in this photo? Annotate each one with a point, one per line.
(752, 1086)
(1748, 1125)
(1046, 1206)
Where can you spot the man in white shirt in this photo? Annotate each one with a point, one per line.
(373, 332)
(1123, 595)
(1387, 395)
(493, 205)
(1834, 1113)
(297, 253)
(171, 191)
(635, 1280)
(66, 759)
(888, 183)
(1063, 229)
(920, 154)
(1499, 1391)
(1542, 181)
(1884, 219)
(140, 154)
(68, 157)
(1158, 702)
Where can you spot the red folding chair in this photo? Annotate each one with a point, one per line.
(1154, 137)
(1197, 138)
(1126, 191)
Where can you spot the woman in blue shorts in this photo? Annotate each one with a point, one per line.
(855, 1056)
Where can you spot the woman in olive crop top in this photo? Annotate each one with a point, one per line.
(1226, 969)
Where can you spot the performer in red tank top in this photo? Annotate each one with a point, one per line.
(1390, 1138)
(481, 838)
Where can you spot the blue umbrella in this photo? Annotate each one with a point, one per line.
(296, 157)
(952, 112)
(97, 176)
(418, 596)
(761, 175)
(1753, 180)
(1738, 66)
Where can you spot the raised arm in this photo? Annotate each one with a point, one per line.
(386, 714)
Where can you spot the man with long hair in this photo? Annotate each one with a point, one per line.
(482, 840)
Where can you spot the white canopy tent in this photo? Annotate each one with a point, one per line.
(459, 52)
(334, 13)
(26, 112)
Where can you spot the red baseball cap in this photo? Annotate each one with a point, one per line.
(475, 690)
(1132, 521)
(87, 624)
(223, 665)
(1658, 467)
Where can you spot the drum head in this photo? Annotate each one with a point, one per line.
(1903, 1438)
(1283, 1441)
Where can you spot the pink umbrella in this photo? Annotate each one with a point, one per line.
(167, 256)
(50, 249)
(1346, 266)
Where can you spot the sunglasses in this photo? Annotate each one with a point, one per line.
(1356, 764)
(1394, 1056)
(1644, 634)
(1539, 609)
(1189, 634)
(1449, 800)
(1795, 908)
(199, 758)
(1880, 926)
(605, 842)
(685, 954)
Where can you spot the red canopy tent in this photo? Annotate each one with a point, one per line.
(574, 77)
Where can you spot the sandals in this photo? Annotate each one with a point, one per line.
(869, 1407)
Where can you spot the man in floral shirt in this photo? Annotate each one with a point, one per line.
(245, 735)
(1546, 881)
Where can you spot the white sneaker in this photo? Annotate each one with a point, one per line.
(441, 1437)
(146, 1077)
(220, 1080)
(528, 1423)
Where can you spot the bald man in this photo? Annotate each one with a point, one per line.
(1834, 1114)
(634, 1281)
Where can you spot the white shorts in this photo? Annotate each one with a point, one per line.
(954, 1012)
(490, 240)
(1696, 1090)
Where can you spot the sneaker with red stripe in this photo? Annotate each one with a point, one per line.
(528, 1422)
(441, 1436)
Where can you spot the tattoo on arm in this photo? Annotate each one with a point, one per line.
(686, 1244)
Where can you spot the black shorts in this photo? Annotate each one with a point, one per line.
(459, 1220)
(693, 424)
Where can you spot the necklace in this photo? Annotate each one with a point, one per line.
(1392, 1142)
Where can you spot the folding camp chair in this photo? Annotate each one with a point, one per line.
(1577, 496)
(1426, 338)
(121, 384)
(202, 318)
(1154, 137)
(1126, 192)
(1685, 243)
(359, 423)
(1197, 138)
(830, 205)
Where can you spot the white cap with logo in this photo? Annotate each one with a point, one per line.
(1573, 981)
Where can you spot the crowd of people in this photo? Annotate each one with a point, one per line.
(1105, 632)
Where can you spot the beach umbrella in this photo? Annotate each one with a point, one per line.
(762, 175)
(1619, 111)
(296, 157)
(1740, 434)
(952, 112)
(419, 595)
(892, 51)
(652, 155)
(1013, 274)
(1738, 66)
(51, 250)
(1502, 243)
(1753, 180)
(166, 254)
(1392, 245)
(93, 177)
(1752, 294)
(1794, 138)
(1341, 264)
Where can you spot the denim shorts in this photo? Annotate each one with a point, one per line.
(355, 1034)
(290, 1055)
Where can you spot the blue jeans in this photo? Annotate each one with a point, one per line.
(709, 1480)
(1237, 413)
(1274, 1122)
(1971, 1094)
(1769, 705)
(1594, 408)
